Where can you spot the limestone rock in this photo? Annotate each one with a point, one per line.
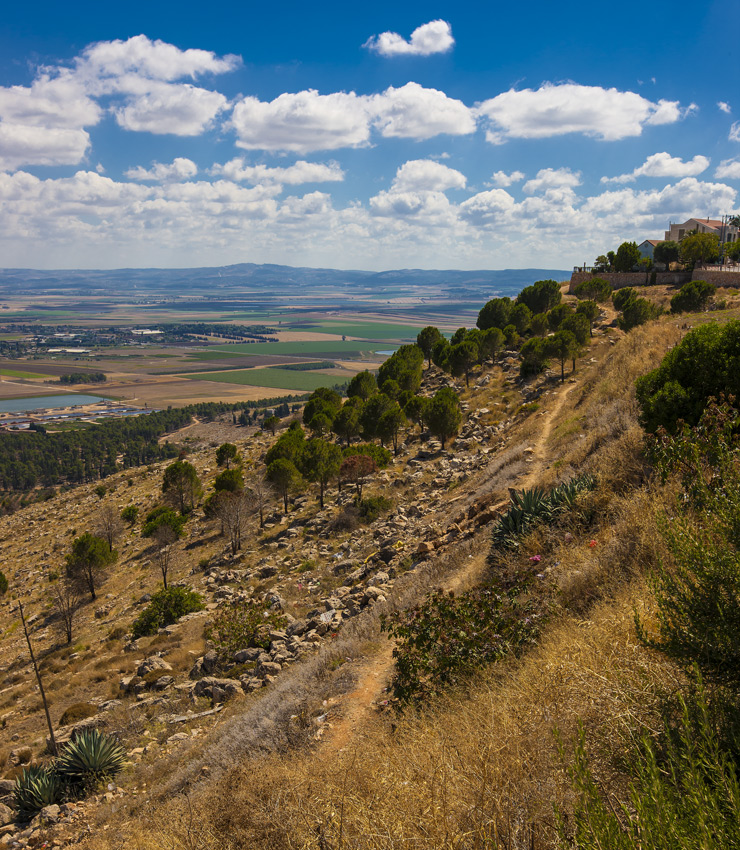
(49, 814)
(154, 662)
(218, 689)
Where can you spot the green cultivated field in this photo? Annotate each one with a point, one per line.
(14, 373)
(279, 378)
(215, 355)
(300, 348)
(366, 330)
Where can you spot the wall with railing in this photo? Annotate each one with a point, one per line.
(728, 275)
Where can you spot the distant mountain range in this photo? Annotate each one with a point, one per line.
(270, 279)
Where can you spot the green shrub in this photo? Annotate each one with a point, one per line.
(446, 638)
(163, 516)
(687, 797)
(637, 312)
(371, 507)
(380, 455)
(130, 513)
(3, 583)
(534, 357)
(240, 625)
(165, 608)
(692, 297)
(78, 711)
(622, 297)
(706, 363)
(90, 758)
(698, 593)
(35, 788)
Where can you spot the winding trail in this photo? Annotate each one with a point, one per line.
(375, 672)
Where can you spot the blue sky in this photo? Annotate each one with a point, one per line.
(437, 135)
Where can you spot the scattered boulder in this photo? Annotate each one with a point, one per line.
(219, 690)
(205, 665)
(154, 662)
(243, 656)
(268, 668)
(49, 814)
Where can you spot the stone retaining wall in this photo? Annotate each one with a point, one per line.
(619, 280)
(718, 278)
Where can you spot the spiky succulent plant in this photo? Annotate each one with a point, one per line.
(92, 757)
(35, 788)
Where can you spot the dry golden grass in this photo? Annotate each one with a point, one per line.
(481, 768)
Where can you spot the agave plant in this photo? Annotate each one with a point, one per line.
(92, 757)
(35, 788)
(535, 505)
(563, 497)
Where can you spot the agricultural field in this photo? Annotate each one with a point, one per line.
(322, 337)
(282, 379)
(16, 373)
(306, 348)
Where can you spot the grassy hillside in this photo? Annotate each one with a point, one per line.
(320, 756)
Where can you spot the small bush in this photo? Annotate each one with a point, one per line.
(3, 583)
(698, 594)
(129, 514)
(161, 516)
(166, 607)
(446, 638)
(78, 711)
(372, 507)
(240, 625)
(692, 297)
(380, 455)
(347, 520)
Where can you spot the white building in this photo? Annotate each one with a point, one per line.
(723, 231)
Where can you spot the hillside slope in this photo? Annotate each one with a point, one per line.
(307, 753)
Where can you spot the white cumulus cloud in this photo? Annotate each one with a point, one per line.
(501, 178)
(558, 109)
(415, 112)
(723, 106)
(735, 132)
(663, 165)
(307, 121)
(180, 168)
(425, 175)
(553, 178)
(430, 206)
(156, 60)
(21, 144)
(134, 79)
(300, 172)
(179, 110)
(58, 101)
(434, 37)
(728, 169)
(486, 208)
(302, 122)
